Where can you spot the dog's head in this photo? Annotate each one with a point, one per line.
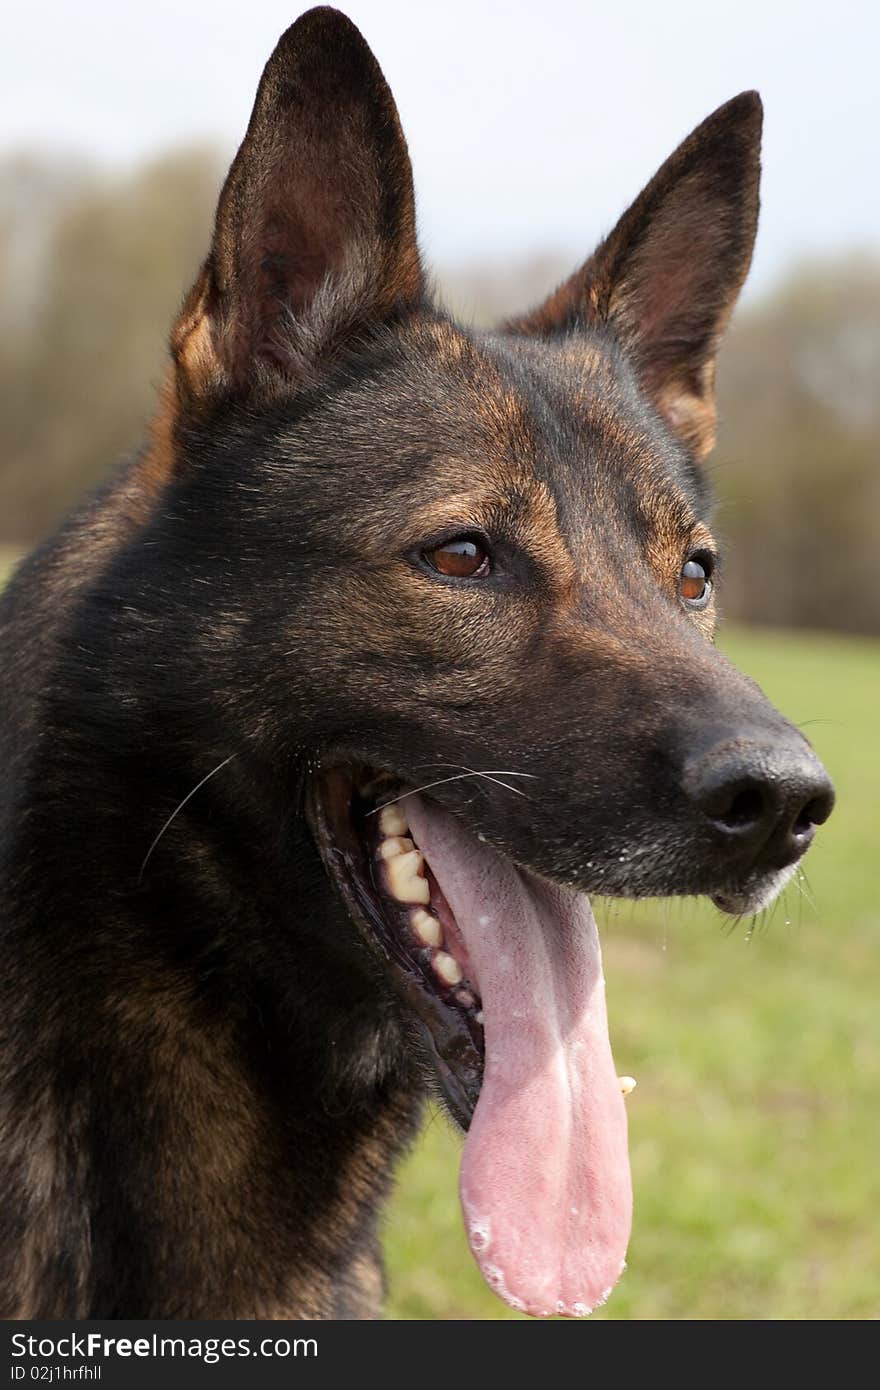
(486, 572)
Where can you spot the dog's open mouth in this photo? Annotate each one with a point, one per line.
(503, 971)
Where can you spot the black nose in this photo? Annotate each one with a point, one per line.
(761, 799)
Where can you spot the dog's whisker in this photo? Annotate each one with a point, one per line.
(804, 889)
(492, 774)
(177, 811)
(500, 772)
(457, 777)
(495, 775)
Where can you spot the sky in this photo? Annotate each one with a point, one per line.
(531, 125)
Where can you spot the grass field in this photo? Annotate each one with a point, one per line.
(755, 1128)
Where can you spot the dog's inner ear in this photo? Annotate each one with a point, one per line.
(314, 239)
(666, 279)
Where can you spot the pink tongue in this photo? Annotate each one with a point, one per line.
(545, 1183)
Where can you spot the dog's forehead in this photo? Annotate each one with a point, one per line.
(505, 433)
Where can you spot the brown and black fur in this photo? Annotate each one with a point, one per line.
(205, 1075)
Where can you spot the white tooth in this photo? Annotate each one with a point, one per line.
(627, 1084)
(427, 928)
(410, 859)
(392, 821)
(406, 880)
(479, 1017)
(447, 968)
(392, 847)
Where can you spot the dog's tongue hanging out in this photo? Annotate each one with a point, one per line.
(545, 1182)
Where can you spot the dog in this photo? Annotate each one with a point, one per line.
(324, 717)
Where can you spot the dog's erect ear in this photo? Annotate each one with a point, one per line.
(666, 279)
(315, 232)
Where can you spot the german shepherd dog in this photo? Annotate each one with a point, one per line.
(325, 715)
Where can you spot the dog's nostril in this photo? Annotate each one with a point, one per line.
(746, 808)
(817, 810)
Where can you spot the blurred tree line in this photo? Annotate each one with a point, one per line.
(92, 268)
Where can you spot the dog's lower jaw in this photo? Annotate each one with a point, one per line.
(753, 898)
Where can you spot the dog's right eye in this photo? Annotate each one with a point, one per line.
(465, 557)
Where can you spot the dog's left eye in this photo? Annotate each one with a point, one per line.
(695, 583)
(465, 557)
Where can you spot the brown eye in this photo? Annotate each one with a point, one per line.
(463, 558)
(694, 584)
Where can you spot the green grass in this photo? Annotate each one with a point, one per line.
(755, 1128)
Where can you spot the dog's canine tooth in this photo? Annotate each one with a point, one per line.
(405, 878)
(448, 968)
(427, 928)
(392, 821)
(627, 1084)
(395, 845)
